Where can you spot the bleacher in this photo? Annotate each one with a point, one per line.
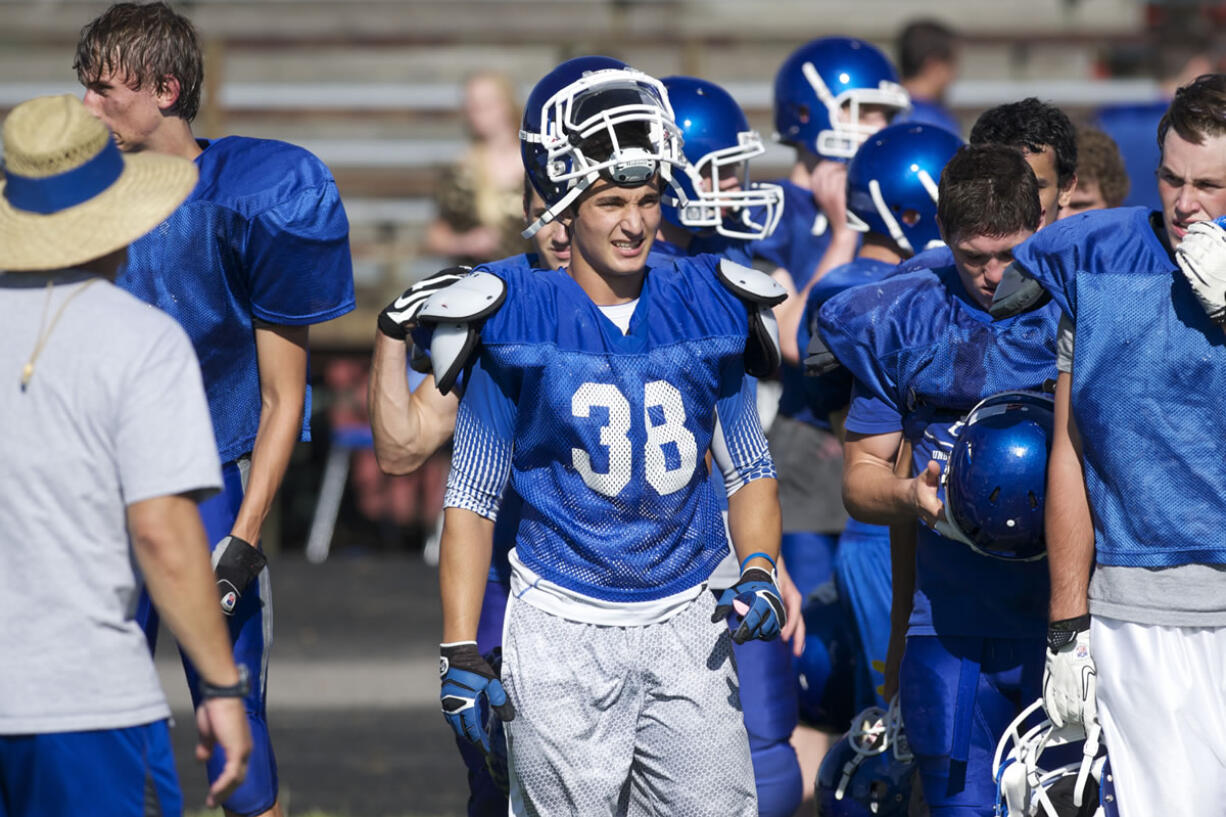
(372, 86)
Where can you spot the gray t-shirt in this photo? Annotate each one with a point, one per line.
(1184, 596)
(113, 414)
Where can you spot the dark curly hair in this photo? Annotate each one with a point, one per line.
(1031, 125)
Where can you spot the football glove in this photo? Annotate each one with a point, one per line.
(496, 757)
(236, 564)
(1202, 260)
(398, 317)
(1069, 678)
(471, 693)
(755, 598)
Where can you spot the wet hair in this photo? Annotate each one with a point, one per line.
(1198, 110)
(148, 43)
(1031, 125)
(923, 40)
(989, 190)
(1099, 161)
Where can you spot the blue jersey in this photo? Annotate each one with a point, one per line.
(1149, 377)
(1135, 131)
(603, 434)
(923, 354)
(935, 258)
(263, 237)
(831, 392)
(928, 112)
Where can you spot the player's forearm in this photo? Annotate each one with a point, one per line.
(903, 543)
(170, 546)
(282, 357)
(872, 493)
(280, 425)
(408, 426)
(755, 521)
(463, 569)
(1067, 522)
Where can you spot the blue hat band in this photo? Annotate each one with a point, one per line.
(51, 194)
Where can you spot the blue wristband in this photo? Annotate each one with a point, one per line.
(754, 556)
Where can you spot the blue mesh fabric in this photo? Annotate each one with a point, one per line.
(263, 236)
(1149, 375)
(919, 348)
(609, 431)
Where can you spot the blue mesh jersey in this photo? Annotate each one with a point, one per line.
(1134, 128)
(831, 392)
(263, 237)
(603, 435)
(935, 258)
(1149, 375)
(923, 354)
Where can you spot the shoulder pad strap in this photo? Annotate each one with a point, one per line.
(458, 311)
(471, 298)
(750, 284)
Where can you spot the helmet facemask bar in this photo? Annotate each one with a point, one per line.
(730, 212)
(1022, 784)
(569, 166)
(874, 732)
(847, 134)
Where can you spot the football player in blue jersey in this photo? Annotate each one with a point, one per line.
(829, 96)
(597, 391)
(923, 351)
(892, 201)
(410, 425)
(928, 62)
(258, 253)
(1134, 516)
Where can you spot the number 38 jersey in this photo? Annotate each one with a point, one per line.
(603, 435)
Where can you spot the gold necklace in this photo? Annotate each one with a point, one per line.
(27, 371)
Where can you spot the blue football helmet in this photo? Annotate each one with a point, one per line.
(1025, 788)
(868, 772)
(825, 671)
(601, 101)
(892, 184)
(718, 146)
(996, 478)
(820, 78)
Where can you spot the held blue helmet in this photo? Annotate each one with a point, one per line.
(868, 771)
(892, 184)
(820, 89)
(996, 479)
(825, 671)
(593, 117)
(718, 146)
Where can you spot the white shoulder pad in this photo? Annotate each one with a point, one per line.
(457, 311)
(750, 284)
(472, 297)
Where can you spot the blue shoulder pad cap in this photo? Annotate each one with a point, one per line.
(457, 312)
(760, 292)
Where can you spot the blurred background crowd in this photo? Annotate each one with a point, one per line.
(414, 105)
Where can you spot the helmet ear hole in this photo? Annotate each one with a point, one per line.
(995, 495)
(1034, 500)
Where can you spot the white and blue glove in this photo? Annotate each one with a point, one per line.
(471, 693)
(1070, 679)
(1202, 260)
(756, 600)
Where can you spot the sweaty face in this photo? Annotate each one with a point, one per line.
(981, 261)
(1051, 196)
(1086, 196)
(550, 242)
(1191, 183)
(133, 116)
(614, 226)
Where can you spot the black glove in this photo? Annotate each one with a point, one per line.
(398, 317)
(237, 566)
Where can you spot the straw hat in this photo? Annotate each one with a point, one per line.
(69, 195)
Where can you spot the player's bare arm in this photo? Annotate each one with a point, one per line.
(902, 572)
(873, 493)
(169, 543)
(1070, 532)
(463, 567)
(408, 426)
(282, 355)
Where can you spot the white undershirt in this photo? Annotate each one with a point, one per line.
(620, 314)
